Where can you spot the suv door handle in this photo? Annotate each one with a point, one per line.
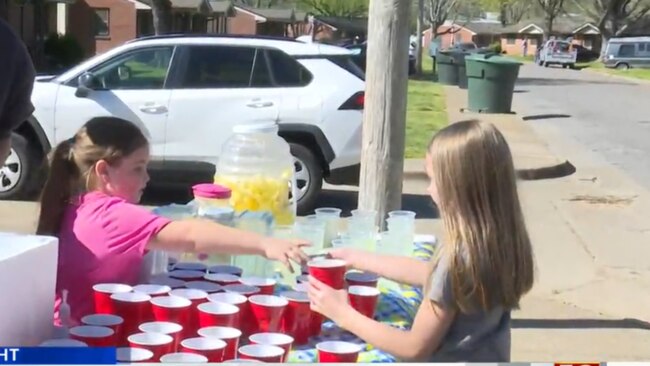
(260, 104)
(153, 109)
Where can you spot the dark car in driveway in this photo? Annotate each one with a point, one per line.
(359, 56)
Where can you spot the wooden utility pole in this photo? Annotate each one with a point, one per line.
(384, 116)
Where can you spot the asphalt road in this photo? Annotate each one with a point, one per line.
(610, 116)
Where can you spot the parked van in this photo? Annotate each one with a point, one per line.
(629, 52)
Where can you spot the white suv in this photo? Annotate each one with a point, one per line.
(186, 92)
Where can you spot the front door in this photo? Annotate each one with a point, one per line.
(130, 86)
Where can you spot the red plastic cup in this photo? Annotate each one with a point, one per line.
(266, 285)
(229, 335)
(183, 357)
(222, 279)
(245, 316)
(338, 351)
(189, 266)
(364, 299)
(185, 275)
(218, 314)
(63, 342)
(241, 360)
(315, 324)
(102, 295)
(212, 348)
(93, 336)
(197, 297)
(302, 279)
(261, 352)
(158, 343)
(227, 269)
(171, 309)
(171, 329)
(134, 308)
(274, 339)
(268, 311)
(361, 279)
(153, 290)
(329, 271)
(106, 320)
(133, 355)
(241, 289)
(165, 280)
(297, 316)
(209, 287)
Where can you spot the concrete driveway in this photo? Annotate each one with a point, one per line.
(608, 115)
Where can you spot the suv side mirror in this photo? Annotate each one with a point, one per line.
(85, 84)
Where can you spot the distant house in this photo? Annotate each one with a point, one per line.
(512, 37)
(482, 33)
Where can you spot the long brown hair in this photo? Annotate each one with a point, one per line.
(72, 163)
(489, 254)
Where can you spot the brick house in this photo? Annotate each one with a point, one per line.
(337, 28)
(263, 21)
(512, 37)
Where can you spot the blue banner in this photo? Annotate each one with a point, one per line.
(57, 356)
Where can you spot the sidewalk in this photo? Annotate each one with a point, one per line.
(592, 247)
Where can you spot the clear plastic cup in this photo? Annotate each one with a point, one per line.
(330, 216)
(312, 230)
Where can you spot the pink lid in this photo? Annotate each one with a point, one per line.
(209, 190)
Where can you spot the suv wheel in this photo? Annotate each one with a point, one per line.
(309, 177)
(18, 175)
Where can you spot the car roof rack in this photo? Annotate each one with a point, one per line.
(212, 35)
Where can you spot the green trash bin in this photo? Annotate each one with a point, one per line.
(447, 68)
(491, 82)
(459, 59)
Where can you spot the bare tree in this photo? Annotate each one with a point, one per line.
(384, 116)
(614, 17)
(513, 11)
(552, 9)
(162, 16)
(437, 12)
(342, 8)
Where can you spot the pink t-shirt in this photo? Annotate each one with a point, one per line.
(102, 240)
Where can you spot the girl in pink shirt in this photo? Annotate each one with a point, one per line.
(90, 202)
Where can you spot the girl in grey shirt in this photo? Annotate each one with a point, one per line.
(478, 274)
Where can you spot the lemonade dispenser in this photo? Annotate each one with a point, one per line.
(256, 164)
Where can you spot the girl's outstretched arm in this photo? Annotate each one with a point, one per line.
(204, 236)
(400, 269)
(429, 327)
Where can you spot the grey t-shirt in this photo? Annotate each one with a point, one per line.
(16, 81)
(477, 337)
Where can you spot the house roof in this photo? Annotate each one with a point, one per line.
(569, 24)
(187, 4)
(483, 27)
(222, 7)
(344, 24)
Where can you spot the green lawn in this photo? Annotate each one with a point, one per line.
(643, 74)
(426, 112)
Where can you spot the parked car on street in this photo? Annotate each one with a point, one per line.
(359, 56)
(628, 52)
(186, 93)
(556, 52)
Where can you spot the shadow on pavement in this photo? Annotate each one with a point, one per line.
(552, 82)
(627, 323)
(537, 117)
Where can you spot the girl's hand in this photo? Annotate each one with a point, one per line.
(350, 256)
(332, 303)
(285, 251)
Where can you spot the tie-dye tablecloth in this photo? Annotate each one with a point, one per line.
(396, 307)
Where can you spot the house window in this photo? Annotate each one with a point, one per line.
(102, 22)
(588, 43)
(533, 41)
(511, 40)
